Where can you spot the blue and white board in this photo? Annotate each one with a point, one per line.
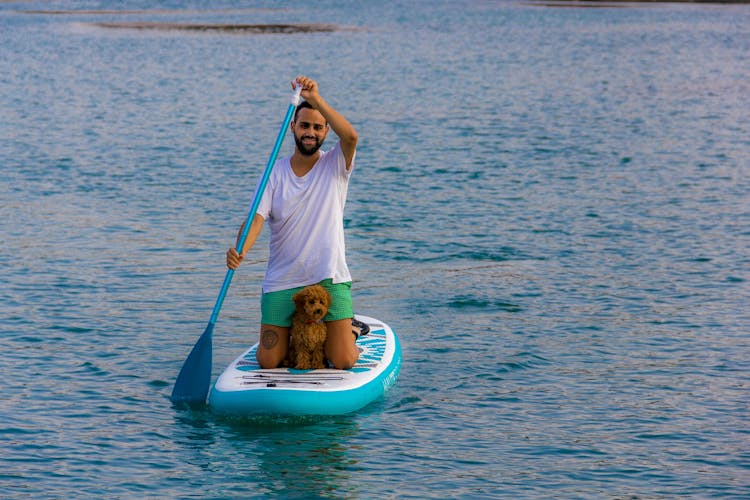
(246, 389)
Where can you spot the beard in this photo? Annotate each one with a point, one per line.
(307, 149)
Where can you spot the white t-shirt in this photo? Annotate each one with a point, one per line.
(306, 217)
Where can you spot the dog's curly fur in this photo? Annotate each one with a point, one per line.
(308, 332)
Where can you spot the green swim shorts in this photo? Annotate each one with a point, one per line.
(277, 308)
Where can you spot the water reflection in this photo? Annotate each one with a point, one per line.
(300, 457)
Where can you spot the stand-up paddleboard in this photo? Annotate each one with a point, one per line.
(246, 389)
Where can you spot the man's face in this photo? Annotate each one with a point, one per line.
(310, 130)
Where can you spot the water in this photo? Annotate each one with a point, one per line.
(550, 207)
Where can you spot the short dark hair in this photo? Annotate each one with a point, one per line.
(302, 105)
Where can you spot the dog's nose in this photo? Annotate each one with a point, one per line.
(318, 311)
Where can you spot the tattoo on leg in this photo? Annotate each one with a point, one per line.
(269, 338)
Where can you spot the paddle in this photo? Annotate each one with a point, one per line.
(194, 379)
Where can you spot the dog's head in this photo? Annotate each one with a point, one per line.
(312, 301)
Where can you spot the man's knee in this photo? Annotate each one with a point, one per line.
(341, 350)
(274, 341)
(345, 359)
(268, 359)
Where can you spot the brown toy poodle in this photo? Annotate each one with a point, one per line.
(308, 332)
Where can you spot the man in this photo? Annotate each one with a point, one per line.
(304, 206)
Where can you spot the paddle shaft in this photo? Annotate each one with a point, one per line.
(194, 379)
(256, 202)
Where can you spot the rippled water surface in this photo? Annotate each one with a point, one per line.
(550, 208)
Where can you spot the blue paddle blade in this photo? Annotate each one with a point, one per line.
(194, 379)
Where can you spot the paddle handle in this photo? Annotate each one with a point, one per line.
(256, 199)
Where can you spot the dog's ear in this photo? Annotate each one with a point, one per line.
(326, 297)
(299, 297)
